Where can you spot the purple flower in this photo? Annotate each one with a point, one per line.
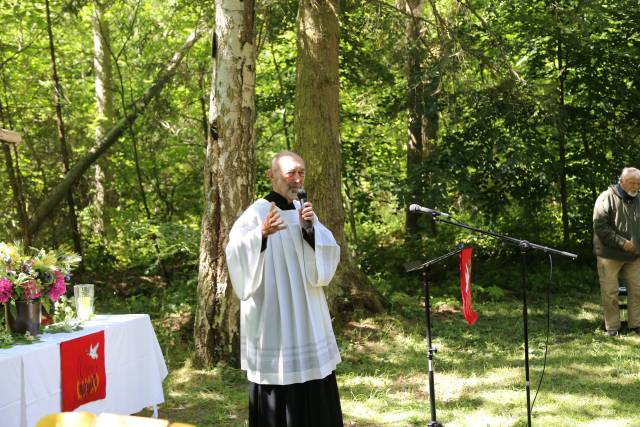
(5, 290)
(26, 267)
(58, 288)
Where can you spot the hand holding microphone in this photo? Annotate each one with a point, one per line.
(306, 211)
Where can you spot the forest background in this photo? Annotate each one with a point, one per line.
(511, 116)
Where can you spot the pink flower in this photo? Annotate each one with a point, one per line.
(30, 290)
(5, 290)
(58, 288)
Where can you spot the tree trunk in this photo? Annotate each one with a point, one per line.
(48, 205)
(285, 125)
(415, 92)
(560, 118)
(104, 110)
(317, 140)
(229, 178)
(136, 160)
(64, 150)
(561, 131)
(16, 187)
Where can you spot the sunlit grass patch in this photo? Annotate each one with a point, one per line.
(479, 370)
(590, 379)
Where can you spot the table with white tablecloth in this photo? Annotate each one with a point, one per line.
(30, 385)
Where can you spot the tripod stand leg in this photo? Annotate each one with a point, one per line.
(430, 349)
(527, 382)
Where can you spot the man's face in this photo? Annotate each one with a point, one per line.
(287, 176)
(631, 184)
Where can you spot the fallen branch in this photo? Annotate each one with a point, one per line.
(57, 194)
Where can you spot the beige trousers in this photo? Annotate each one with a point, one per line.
(608, 271)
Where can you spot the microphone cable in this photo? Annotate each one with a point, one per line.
(546, 344)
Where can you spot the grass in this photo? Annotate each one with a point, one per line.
(590, 379)
(479, 381)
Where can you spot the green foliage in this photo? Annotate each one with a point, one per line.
(62, 327)
(494, 161)
(8, 339)
(169, 137)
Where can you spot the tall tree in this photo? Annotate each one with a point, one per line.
(64, 149)
(561, 116)
(14, 180)
(229, 177)
(415, 90)
(317, 139)
(104, 108)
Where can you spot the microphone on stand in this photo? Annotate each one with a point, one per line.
(306, 224)
(418, 208)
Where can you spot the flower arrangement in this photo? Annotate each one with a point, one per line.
(37, 275)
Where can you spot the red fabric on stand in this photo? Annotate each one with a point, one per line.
(82, 370)
(465, 285)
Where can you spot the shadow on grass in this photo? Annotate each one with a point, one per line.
(479, 370)
(479, 376)
(216, 397)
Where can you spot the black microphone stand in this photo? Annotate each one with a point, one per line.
(524, 247)
(426, 273)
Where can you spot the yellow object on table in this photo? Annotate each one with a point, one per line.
(83, 295)
(84, 307)
(68, 419)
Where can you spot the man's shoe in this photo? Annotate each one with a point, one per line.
(614, 333)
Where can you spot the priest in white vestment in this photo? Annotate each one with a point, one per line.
(279, 258)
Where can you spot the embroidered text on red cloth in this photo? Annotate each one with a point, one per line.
(82, 369)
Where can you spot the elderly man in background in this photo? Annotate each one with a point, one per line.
(616, 243)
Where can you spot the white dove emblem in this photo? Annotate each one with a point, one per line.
(93, 351)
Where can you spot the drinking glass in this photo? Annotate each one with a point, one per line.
(83, 295)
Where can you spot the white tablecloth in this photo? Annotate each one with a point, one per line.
(30, 384)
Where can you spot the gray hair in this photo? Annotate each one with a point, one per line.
(278, 156)
(628, 171)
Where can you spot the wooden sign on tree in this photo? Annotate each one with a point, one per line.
(9, 136)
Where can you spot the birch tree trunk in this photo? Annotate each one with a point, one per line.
(317, 139)
(104, 109)
(229, 178)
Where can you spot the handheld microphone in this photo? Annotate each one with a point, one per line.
(302, 197)
(418, 208)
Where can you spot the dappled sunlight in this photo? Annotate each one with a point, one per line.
(374, 417)
(601, 422)
(365, 381)
(479, 371)
(481, 418)
(589, 311)
(590, 379)
(189, 390)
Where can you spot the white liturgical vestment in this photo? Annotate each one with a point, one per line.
(286, 335)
